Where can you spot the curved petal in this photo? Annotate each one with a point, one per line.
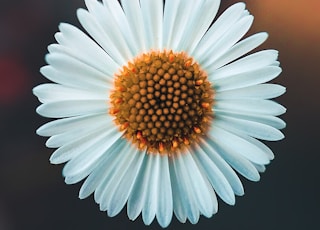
(125, 184)
(261, 118)
(199, 20)
(165, 205)
(64, 125)
(82, 164)
(70, 136)
(251, 128)
(215, 176)
(138, 195)
(80, 46)
(261, 91)
(248, 63)
(188, 202)
(233, 155)
(236, 32)
(105, 189)
(218, 29)
(54, 93)
(75, 77)
(199, 185)
(72, 108)
(253, 106)
(133, 13)
(96, 177)
(223, 166)
(176, 14)
(107, 23)
(152, 11)
(242, 47)
(178, 206)
(150, 206)
(122, 23)
(74, 148)
(117, 50)
(71, 67)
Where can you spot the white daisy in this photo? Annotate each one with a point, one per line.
(159, 110)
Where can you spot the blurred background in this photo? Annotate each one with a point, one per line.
(32, 192)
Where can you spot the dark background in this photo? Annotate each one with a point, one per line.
(32, 192)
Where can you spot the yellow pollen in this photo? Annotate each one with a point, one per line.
(197, 130)
(205, 105)
(114, 111)
(199, 82)
(161, 147)
(118, 101)
(188, 63)
(175, 144)
(139, 135)
(186, 141)
(161, 101)
(124, 126)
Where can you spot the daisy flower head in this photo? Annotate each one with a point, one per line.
(159, 109)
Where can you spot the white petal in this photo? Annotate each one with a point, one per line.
(198, 23)
(233, 154)
(170, 19)
(236, 32)
(54, 93)
(152, 11)
(120, 18)
(178, 206)
(237, 144)
(223, 166)
(108, 24)
(71, 67)
(111, 158)
(80, 46)
(103, 74)
(82, 164)
(258, 144)
(165, 205)
(106, 189)
(115, 49)
(215, 176)
(67, 137)
(264, 119)
(260, 168)
(60, 59)
(276, 63)
(199, 186)
(261, 91)
(72, 108)
(150, 206)
(139, 192)
(73, 123)
(251, 128)
(74, 148)
(176, 19)
(184, 191)
(75, 77)
(249, 63)
(239, 49)
(218, 29)
(134, 15)
(256, 106)
(124, 188)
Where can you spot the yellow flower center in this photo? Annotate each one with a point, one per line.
(163, 101)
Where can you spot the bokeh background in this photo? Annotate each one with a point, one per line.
(32, 192)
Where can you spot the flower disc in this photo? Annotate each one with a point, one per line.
(163, 101)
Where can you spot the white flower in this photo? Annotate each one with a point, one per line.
(159, 110)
